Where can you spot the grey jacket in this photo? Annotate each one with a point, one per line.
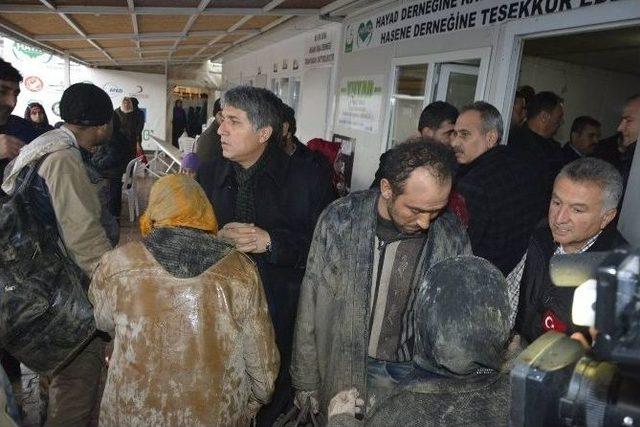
(331, 336)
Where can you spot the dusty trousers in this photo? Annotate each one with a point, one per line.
(75, 390)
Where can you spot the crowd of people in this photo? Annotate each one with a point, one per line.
(256, 295)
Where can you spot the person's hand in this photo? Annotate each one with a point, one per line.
(307, 399)
(346, 402)
(9, 146)
(578, 336)
(246, 238)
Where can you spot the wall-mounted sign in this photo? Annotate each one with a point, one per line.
(319, 49)
(424, 18)
(360, 102)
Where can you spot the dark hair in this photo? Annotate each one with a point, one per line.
(263, 107)
(527, 92)
(27, 112)
(598, 171)
(404, 158)
(543, 101)
(490, 116)
(289, 116)
(580, 123)
(217, 107)
(8, 72)
(134, 102)
(632, 98)
(435, 113)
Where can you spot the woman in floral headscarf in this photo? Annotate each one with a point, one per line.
(193, 342)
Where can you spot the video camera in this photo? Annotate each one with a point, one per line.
(554, 382)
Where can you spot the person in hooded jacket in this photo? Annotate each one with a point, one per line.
(459, 376)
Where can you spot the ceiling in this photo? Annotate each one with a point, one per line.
(615, 50)
(120, 33)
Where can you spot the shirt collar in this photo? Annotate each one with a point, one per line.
(590, 242)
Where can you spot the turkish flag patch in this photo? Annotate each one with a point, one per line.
(551, 322)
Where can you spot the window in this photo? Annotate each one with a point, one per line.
(457, 78)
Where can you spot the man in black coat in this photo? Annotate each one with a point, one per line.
(583, 204)
(583, 139)
(619, 148)
(267, 204)
(533, 142)
(503, 196)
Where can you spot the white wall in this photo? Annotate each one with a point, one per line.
(586, 90)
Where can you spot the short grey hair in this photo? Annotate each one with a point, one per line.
(589, 169)
(263, 107)
(490, 116)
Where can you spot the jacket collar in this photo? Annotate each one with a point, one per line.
(276, 168)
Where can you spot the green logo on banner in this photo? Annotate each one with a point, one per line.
(22, 51)
(365, 33)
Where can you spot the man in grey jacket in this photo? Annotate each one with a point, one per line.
(369, 251)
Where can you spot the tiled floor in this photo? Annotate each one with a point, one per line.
(129, 231)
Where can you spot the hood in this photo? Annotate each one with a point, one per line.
(461, 318)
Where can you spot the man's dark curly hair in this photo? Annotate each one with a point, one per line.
(8, 72)
(403, 159)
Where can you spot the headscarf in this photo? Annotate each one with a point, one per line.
(178, 201)
(461, 318)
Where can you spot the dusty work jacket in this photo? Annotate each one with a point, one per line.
(332, 327)
(64, 194)
(191, 351)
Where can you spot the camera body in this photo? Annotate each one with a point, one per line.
(555, 383)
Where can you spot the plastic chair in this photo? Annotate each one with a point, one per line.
(129, 188)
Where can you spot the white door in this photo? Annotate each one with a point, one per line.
(457, 84)
(314, 96)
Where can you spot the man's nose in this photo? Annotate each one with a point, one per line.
(563, 215)
(621, 126)
(423, 221)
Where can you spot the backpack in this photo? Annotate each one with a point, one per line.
(46, 318)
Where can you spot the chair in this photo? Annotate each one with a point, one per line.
(129, 188)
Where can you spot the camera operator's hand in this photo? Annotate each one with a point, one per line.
(579, 336)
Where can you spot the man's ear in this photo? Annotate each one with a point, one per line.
(608, 217)
(492, 138)
(385, 189)
(264, 134)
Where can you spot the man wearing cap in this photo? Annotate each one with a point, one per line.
(64, 193)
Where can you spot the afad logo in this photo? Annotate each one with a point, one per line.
(55, 109)
(113, 89)
(365, 34)
(33, 83)
(23, 51)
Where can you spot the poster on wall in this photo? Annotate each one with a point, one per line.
(319, 49)
(360, 102)
(43, 77)
(416, 19)
(44, 81)
(343, 165)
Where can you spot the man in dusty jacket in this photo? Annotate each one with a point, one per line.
(461, 321)
(65, 196)
(369, 251)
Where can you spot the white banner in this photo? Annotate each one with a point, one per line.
(43, 82)
(424, 18)
(360, 102)
(319, 49)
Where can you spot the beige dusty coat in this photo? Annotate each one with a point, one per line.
(187, 352)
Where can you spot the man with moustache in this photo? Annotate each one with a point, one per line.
(583, 139)
(502, 194)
